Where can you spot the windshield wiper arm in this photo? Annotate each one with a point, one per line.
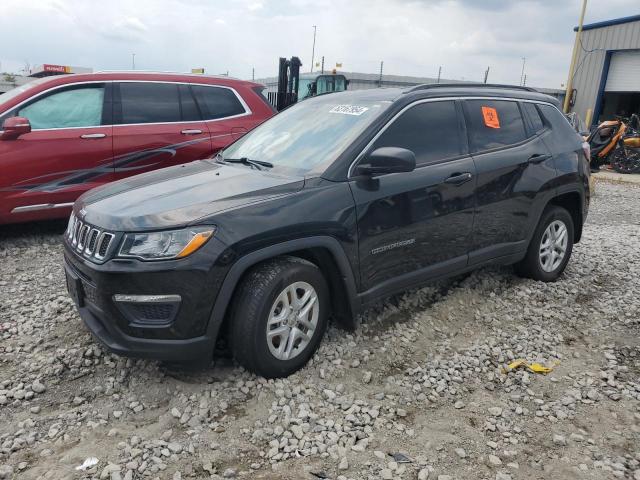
(248, 161)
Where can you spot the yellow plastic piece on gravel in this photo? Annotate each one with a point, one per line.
(534, 367)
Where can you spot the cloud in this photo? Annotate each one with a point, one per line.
(412, 37)
(125, 29)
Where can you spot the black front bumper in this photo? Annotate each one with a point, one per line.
(185, 336)
(198, 348)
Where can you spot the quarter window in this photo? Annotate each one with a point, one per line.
(217, 102)
(430, 130)
(535, 122)
(79, 106)
(149, 102)
(494, 124)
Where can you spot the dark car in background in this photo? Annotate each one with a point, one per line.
(332, 205)
(63, 135)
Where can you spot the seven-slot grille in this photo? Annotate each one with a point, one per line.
(88, 240)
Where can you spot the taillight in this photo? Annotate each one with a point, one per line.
(586, 148)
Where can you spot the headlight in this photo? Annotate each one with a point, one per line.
(165, 245)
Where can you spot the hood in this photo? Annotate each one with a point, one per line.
(177, 196)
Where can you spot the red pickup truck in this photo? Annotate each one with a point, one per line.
(61, 136)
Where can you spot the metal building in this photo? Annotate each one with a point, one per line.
(362, 81)
(607, 72)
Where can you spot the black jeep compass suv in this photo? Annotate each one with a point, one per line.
(327, 207)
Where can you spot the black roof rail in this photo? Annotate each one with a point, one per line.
(427, 86)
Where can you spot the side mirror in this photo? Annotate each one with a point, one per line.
(13, 127)
(387, 160)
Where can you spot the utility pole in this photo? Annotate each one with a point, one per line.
(486, 74)
(322, 68)
(574, 57)
(380, 77)
(133, 61)
(439, 72)
(313, 49)
(253, 74)
(524, 82)
(524, 60)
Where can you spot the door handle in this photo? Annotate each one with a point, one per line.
(539, 158)
(458, 178)
(93, 135)
(190, 131)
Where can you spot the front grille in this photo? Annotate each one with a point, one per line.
(105, 242)
(87, 240)
(91, 244)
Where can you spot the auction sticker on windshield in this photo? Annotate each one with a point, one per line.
(349, 109)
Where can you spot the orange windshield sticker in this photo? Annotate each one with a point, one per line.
(490, 116)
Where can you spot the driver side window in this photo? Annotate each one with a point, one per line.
(430, 130)
(78, 106)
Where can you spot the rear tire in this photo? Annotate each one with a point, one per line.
(550, 247)
(279, 316)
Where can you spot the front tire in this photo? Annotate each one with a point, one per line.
(550, 248)
(279, 316)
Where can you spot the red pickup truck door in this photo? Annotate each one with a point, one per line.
(68, 152)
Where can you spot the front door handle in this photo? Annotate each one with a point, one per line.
(458, 178)
(539, 158)
(93, 135)
(191, 131)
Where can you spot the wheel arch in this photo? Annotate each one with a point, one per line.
(572, 202)
(323, 251)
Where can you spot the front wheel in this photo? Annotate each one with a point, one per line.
(550, 248)
(279, 316)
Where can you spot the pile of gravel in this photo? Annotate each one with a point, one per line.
(421, 390)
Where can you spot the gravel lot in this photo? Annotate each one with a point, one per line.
(422, 377)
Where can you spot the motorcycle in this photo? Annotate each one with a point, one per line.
(626, 157)
(603, 141)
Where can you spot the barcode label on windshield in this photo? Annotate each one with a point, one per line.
(349, 109)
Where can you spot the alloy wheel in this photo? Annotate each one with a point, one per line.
(292, 320)
(553, 246)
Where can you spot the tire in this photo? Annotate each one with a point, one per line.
(546, 268)
(263, 295)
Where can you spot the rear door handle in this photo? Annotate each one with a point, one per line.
(458, 178)
(539, 158)
(190, 131)
(93, 135)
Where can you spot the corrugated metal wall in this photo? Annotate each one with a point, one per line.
(591, 60)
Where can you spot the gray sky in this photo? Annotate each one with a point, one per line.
(413, 37)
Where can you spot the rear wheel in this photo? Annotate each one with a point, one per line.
(551, 246)
(279, 316)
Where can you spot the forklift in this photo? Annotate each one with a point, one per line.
(293, 86)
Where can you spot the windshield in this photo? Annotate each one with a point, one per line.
(308, 134)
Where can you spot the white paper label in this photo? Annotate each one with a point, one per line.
(349, 109)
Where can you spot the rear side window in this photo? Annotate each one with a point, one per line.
(430, 130)
(217, 102)
(149, 102)
(494, 124)
(78, 106)
(536, 125)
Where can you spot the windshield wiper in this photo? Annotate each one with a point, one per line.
(248, 161)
